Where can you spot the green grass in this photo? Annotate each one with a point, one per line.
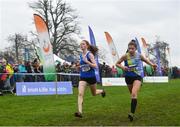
(158, 104)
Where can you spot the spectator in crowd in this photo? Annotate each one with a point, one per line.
(108, 71)
(114, 71)
(58, 70)
(65, 69)
(77, 63)
(103, 70)
(74, 79)
(21, 71)
(2, 77)
(37, 68)
(8, 71)
(175, 72)
(28, 67)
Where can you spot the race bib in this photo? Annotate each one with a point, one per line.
(85, 68)
(132, 67)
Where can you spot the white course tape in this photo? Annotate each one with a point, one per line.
(69, 74)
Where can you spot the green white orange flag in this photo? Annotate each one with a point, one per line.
(45, 48)
(112, 48)
(145, 47)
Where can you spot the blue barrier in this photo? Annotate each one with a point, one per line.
(43, 88)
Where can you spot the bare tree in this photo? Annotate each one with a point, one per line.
(162, 48)
(62, 23)
(19, 43)
(8, 54)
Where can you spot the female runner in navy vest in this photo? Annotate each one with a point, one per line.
(133, 70)
(87, 74)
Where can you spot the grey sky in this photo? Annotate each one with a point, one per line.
(123, 19)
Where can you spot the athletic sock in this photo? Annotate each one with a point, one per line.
(133, 105)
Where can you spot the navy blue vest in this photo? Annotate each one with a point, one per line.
(86, 71)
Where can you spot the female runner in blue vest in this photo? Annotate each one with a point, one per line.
(133, 70)
(87, 74)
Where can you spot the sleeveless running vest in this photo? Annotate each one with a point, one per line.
(86, 71)
(134, 65)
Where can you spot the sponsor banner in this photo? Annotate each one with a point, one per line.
(43, 88)
(113, 82)
(121, 81)
(155, 79)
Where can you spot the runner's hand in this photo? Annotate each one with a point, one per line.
(154, 66)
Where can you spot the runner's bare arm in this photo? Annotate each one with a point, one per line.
(148, 61)
(118, 64)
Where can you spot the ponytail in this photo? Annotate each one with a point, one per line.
(93, 49)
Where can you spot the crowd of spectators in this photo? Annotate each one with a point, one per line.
(33, 72)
